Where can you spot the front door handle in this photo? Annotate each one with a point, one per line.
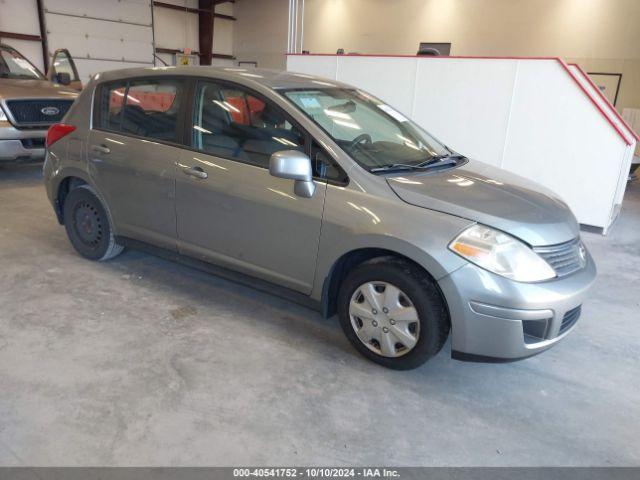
(101, 149)
(195, 172)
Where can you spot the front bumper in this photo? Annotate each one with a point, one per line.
(496, 319)
(21, 144)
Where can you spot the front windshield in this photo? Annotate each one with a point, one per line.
(371, 132)
(14, 65)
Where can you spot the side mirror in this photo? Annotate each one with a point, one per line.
(63, 78)
(296, 166)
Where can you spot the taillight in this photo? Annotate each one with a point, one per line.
(57, 131)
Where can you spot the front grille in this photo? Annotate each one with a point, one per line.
(569, 319)
(31, 112)
(565, 258)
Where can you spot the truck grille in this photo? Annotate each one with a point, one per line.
(565, 258)
(31, 113)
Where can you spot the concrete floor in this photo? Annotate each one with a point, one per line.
(140, 361)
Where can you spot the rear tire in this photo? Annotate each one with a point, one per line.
(87, 224)
(375, 292)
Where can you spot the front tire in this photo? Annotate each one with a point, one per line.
(393, 313)
(87, 224)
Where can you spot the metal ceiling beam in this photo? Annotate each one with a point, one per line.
(21, 36)
(205, 30)
(43, 36)
(171, 6)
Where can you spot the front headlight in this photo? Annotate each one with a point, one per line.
(3, 116)
(502, 254)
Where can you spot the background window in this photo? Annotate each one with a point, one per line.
(232, 123)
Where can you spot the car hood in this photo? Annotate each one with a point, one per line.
(493, 197)
(18, 88)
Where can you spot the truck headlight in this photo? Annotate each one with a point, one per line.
(502, 254)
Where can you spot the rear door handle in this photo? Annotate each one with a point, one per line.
(101, 149)
(195, 172)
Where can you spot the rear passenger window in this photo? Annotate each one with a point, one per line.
(235, 124)
(152, 108)
(145, 108)
(112, 100)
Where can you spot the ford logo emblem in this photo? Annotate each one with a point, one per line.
(50, 111)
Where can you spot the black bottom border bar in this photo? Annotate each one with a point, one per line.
(307, 473)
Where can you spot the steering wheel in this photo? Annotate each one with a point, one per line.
(359, 139)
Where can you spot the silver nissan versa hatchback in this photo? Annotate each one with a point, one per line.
(321, 192)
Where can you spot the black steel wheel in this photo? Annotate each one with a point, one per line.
(87, 225)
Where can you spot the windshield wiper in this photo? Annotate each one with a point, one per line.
(436, 161)
(395, 166)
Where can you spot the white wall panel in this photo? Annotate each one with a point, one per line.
(101, 34)
(132, 11)
(468, 115)
(528, 116)
(174, 29)
(322, 66)
(223, 62)
(88, 67)
(89, 38)
(223, 36)
(395, 78)
(19, 16)
(178, 30)
(166, 57)
(559, 139)
(225, 8)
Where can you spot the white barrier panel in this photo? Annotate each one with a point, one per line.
(536, 117)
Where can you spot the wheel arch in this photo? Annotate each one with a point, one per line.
(67, 181)
(351, 259)
(64, 187)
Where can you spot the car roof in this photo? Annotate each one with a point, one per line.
(274, 79)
